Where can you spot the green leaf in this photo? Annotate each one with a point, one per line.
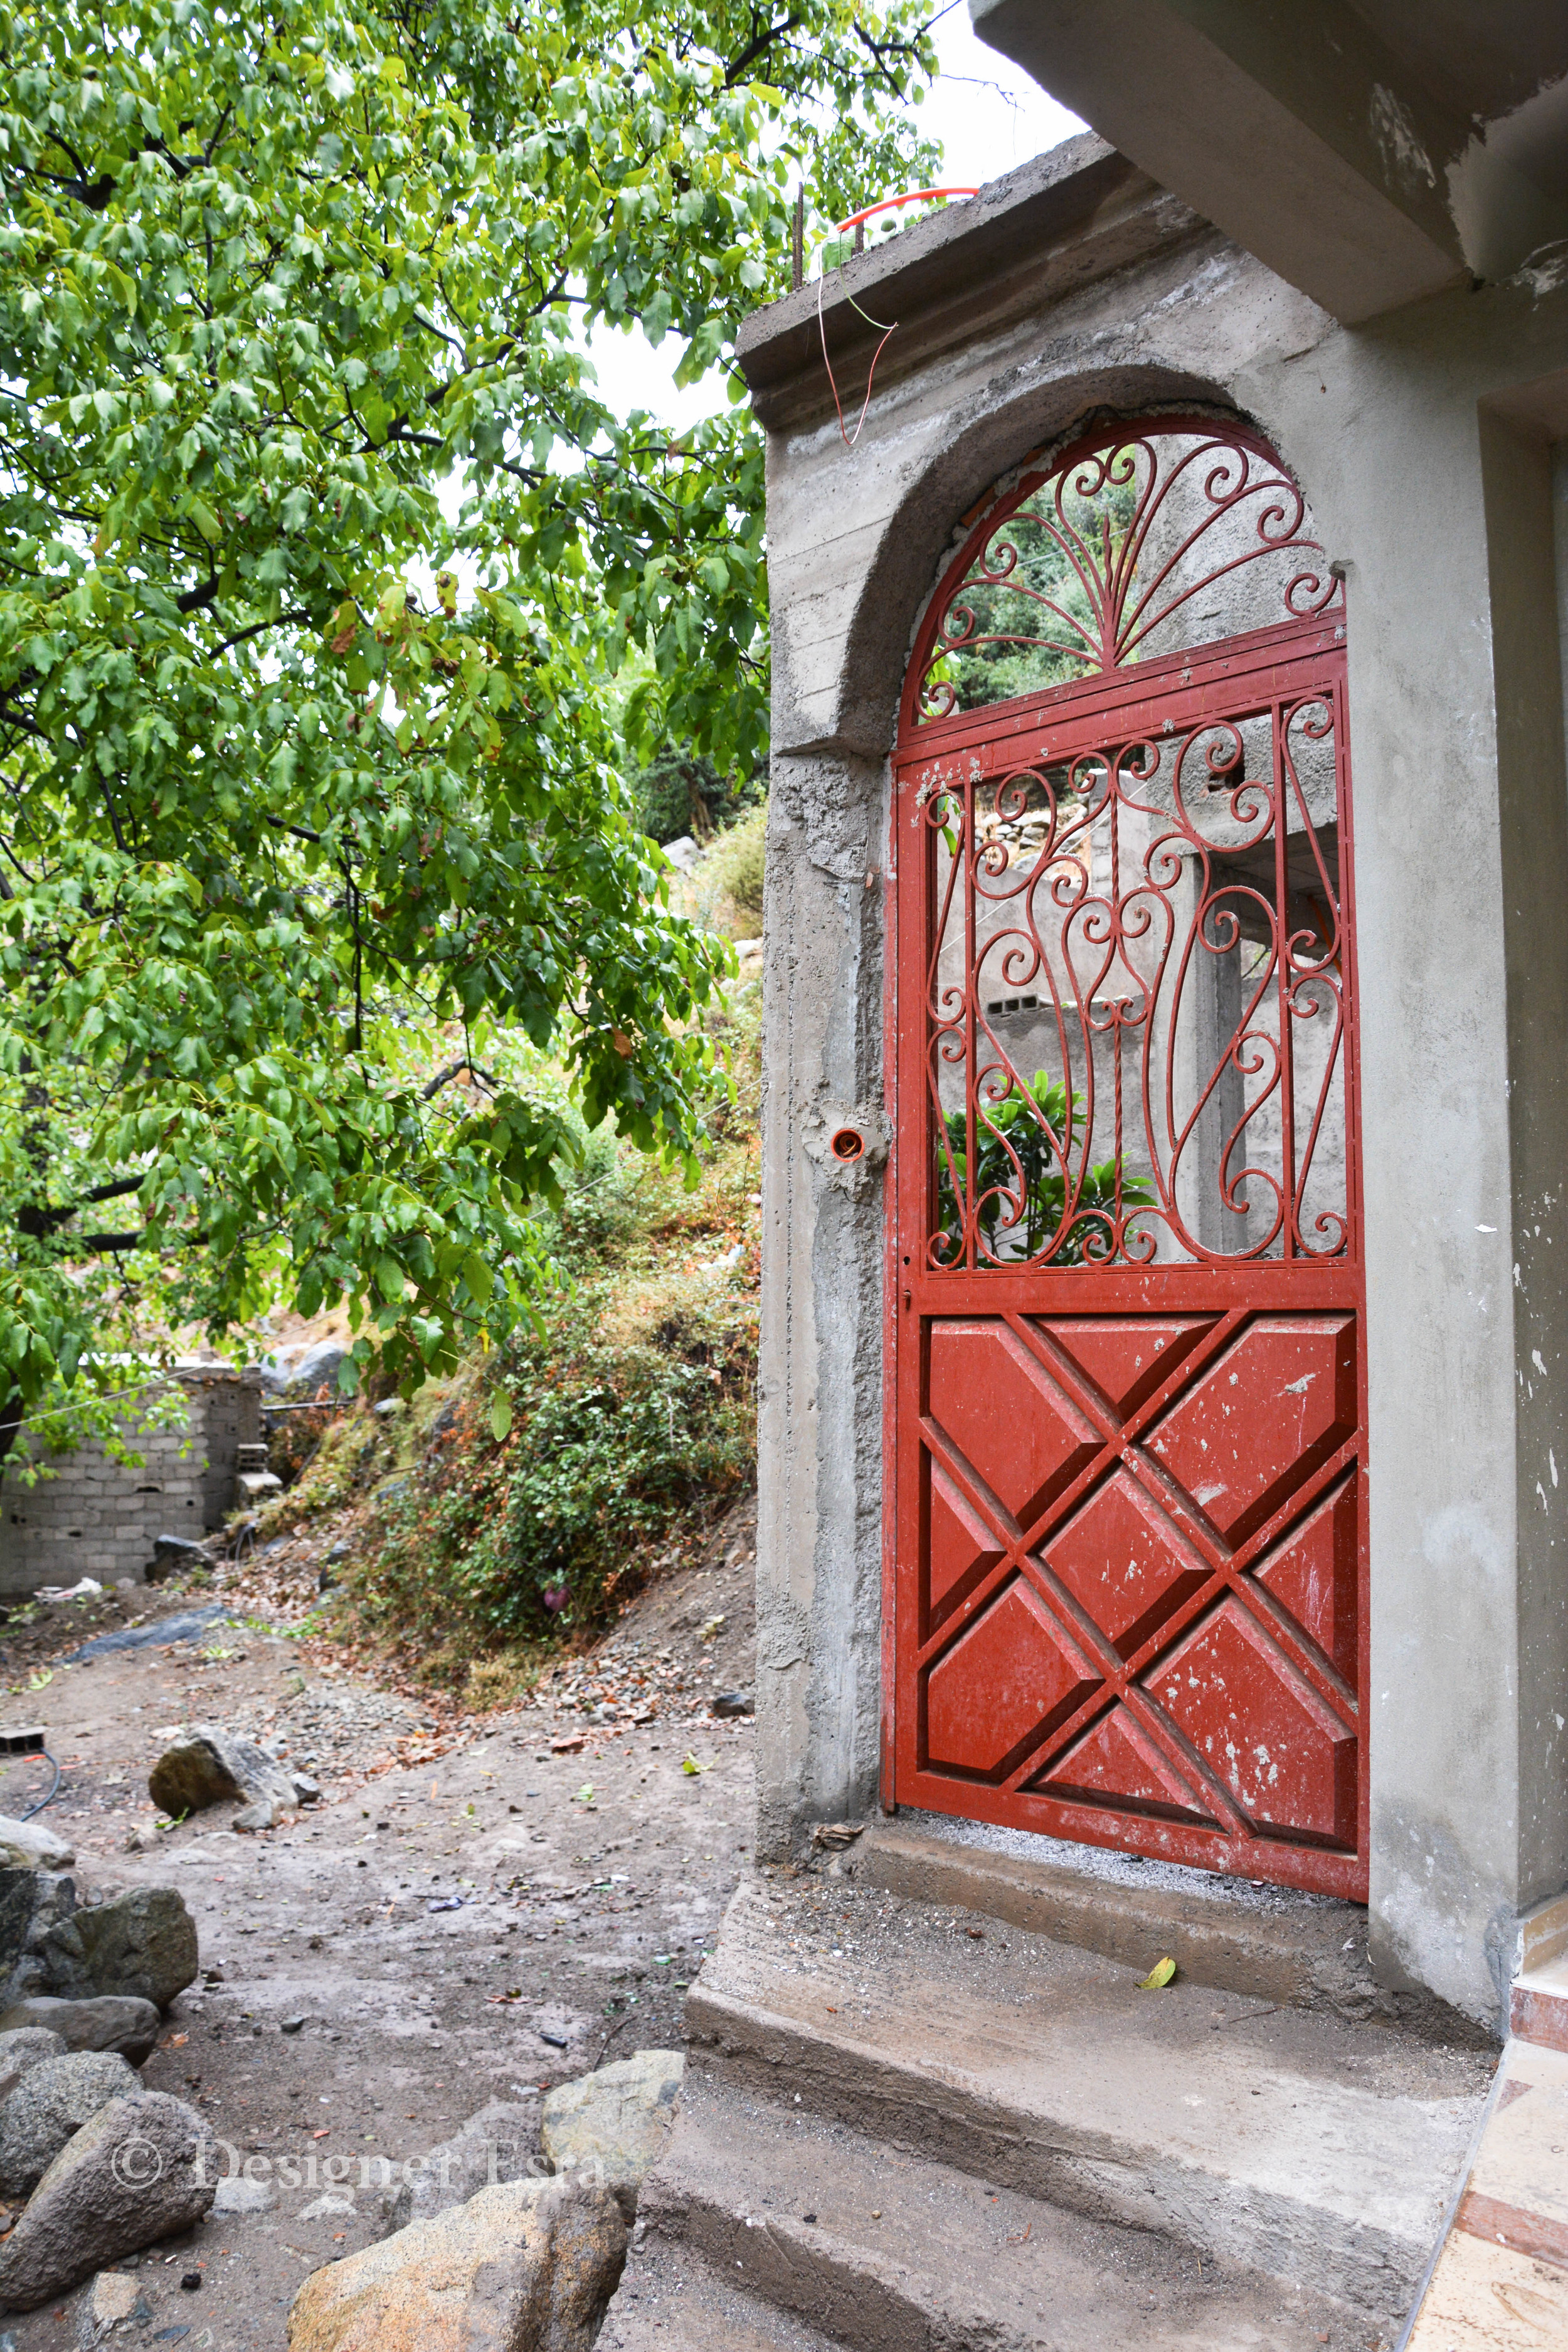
(501, 1415)
(1159, 1976)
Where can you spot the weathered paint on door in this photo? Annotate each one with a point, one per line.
(1127, 1559)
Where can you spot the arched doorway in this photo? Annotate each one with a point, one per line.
(1127, 1419)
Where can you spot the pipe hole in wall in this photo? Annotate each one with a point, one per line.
(847, 1144)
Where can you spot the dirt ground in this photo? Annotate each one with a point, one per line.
(477, 1909)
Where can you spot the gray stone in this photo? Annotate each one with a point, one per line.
(614, 2123)
(317, 1365)
(142, 1944)
(53, 2100)
(141, 2169)
(526, 2266)
(32, 1902)
(236, 2194)
(32, 1846)
(112, 2297)
(113, 2022)
(208, 1766)
(21, 2049)
(493, 2146)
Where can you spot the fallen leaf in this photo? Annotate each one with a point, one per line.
(1159, 1976)
(690, 1764)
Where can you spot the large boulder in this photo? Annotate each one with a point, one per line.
(144, 2168)
(114, 2021)
(23, 2046)
(208, 1766)
(52, 2101)
(616, 2122)
(30, 1845)
(496, 2145)
(142, 1944)
(526, 2266)
(32, 1903)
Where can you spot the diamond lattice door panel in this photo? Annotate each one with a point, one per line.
(1127, 1588)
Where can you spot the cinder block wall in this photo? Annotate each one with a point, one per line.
(95, 1517)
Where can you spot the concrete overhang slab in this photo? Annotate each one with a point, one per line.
(1296, 130)
(1057, 224)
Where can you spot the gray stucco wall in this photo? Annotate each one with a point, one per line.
(1422, 442)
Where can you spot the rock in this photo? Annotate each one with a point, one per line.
(51, 2102)
(615, 2121)
(113, 2022)
(236, 2194)
(730, 1703)
(22, 2048)
(208, 1766)
(28, 1845)
(171, 1554)
(142, 1944)
(494, 2145)
(32, 1903)
(144, 2168)
(317, 1365)
(526, 2266)
(114, 2296)
(328, 2206)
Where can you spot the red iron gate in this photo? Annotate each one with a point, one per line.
(1127, 1556)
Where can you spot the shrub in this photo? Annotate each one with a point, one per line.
(735, 863)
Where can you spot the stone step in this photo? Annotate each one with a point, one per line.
(881, 2251)
(1302, 2146)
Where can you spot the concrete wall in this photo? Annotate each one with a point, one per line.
(1422, 442)
(96, 1517)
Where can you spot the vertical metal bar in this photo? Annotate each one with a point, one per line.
(1287, 1243)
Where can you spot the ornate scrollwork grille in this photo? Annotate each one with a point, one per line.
(1131, 545)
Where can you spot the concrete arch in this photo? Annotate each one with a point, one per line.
(982, 444)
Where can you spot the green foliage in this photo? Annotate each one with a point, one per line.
(607, 1437)
(677, 793)
(301, 757)
(735, 866)
(1033, 621)
(1018, 1180)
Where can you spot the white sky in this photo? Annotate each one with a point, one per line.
(987, 115)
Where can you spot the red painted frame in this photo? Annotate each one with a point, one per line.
(1146, 697)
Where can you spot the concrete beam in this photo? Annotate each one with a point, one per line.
(1298, 131)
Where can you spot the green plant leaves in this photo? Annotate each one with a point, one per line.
(322, 554)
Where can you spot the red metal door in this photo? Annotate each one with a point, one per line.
(1127, 1556)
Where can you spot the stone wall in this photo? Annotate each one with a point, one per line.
(95, 1517)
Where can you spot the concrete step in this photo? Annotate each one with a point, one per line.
(1307, 1950)
(1302, 2146)
(670, 2300)
(881, 2251)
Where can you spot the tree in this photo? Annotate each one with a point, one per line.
(316, 550)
